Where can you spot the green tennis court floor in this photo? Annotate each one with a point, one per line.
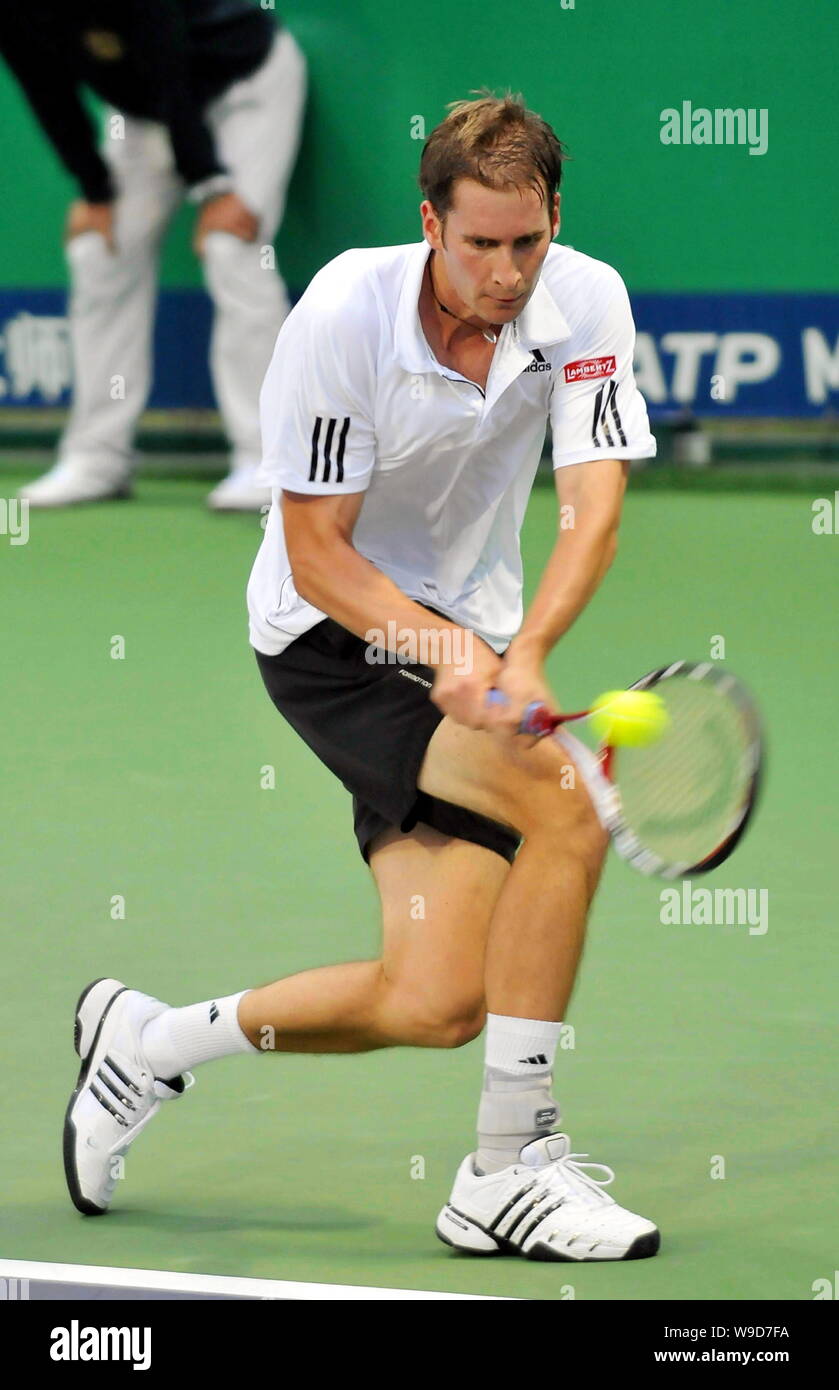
(699, 1049)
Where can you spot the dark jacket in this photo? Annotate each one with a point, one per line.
(159, 59)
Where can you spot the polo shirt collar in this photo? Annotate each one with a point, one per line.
(539, 324)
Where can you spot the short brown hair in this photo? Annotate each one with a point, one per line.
(497, 142)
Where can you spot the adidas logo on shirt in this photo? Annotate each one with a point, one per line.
(538, 364)
(214, 1012)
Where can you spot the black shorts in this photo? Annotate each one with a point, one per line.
(370, 724)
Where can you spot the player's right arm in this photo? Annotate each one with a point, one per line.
(319, 446)
(332, 575)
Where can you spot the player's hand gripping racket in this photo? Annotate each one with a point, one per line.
(677, 805)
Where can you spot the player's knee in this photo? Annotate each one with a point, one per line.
(548, 800)
(549, 808)
(446, 1023)
(581, 823)
(461, 1027)
(575, 830)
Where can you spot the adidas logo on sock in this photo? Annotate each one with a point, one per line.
(540, 1060)
(214, 1011)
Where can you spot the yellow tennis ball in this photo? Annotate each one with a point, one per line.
(629, 718)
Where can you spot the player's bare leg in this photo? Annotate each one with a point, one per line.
(523, 1191)
(462, 929)
(427, 989)
(519, 930)
(538, 926)
(482, 932)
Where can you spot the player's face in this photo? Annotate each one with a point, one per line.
(491, 248)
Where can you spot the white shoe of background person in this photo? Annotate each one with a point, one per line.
(74, 480)
(544, 1208)
(116, 1094)
(240, 492)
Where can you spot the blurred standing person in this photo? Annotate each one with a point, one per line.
(205, 102)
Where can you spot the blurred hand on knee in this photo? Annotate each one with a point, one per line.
(226, 213)
(90, 217)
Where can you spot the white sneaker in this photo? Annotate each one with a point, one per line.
(116, 1094)
(240, 492)
(545, 1208)
(72, 480)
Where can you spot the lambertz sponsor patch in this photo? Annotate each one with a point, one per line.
(589, 368)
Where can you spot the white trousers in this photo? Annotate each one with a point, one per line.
(256, 125)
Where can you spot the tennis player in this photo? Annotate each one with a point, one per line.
(403, 418)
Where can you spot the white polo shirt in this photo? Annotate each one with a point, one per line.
(355, 401)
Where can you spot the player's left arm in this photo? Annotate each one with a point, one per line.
(590, 499)
(599, 423)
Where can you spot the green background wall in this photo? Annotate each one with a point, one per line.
(670, 217)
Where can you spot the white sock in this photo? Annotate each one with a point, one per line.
(181, 1038)
(516, 1102)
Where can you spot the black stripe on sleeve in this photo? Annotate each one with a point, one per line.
(613, 404)
(313, 466)
(327, 461)
(339, 462)
(596, 421)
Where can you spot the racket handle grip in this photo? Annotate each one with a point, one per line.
(536, 720)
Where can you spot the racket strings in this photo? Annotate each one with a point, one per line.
(684, 794)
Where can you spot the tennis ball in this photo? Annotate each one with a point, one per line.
(629, 718)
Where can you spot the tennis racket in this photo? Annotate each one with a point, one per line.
(678, 806)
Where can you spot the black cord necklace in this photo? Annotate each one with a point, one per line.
(485, 332)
